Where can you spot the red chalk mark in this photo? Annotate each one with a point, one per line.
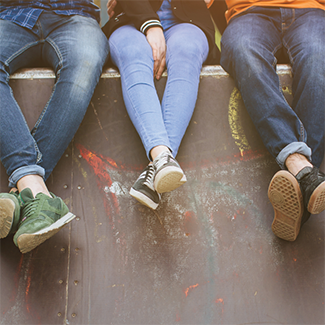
(189, 215)
(178, 317)
(190, 288)
(294, 259)
(228, 160)
(101, 165)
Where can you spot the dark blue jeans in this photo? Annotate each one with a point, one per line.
(76, 49)
(249, 45)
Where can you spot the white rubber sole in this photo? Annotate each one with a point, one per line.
(143, 199)
(27, 242)
(168, 179)
(316, 202)
(7, 211)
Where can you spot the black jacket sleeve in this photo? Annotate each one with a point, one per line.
(140, 13)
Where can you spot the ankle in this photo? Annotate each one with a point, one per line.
(35, 183)
(296, 162)
(156, 151)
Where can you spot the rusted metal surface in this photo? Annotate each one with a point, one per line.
(207, 255)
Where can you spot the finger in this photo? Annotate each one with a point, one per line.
(155, 61)
(110, 7)
(155, 67)
(161, 68)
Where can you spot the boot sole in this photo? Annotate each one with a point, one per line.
(316, 202)
(7, 211)
(143, 199)
(286, 198)
(27, 242)
(168, 179)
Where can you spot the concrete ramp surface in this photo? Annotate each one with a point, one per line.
(207, 255)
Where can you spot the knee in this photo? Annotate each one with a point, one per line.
(92, 57)
(240, 49)
(135, 53)
(189, 50)
(312, 60)
(84, 69)
(129, 47)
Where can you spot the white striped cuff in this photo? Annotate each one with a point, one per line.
(148, 24)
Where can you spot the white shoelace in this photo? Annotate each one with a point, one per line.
(162, 160)
(149, 177)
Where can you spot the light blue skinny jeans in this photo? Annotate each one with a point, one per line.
(76, 48)
(160, 123)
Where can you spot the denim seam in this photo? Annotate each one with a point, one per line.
(57, 73)
(6, 63)
(284, 25)
(38, 24)
(273, 52)
(289, 54)
(23, 49)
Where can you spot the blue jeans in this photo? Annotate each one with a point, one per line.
(249, 45)
(76, 49)
(160, 123)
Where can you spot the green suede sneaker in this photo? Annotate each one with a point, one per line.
(9, 213)
(41, 218)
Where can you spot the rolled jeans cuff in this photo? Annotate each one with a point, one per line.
(24, 171)
(294, 147)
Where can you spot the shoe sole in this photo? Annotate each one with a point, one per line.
(7, 211)
(316, 202)
(27, 242)
(143, 199)
(286, 198)
(168, 179)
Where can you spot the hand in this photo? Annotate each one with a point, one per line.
(110, 7)
(156, 39)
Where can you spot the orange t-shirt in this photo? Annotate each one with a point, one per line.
(237, 6)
